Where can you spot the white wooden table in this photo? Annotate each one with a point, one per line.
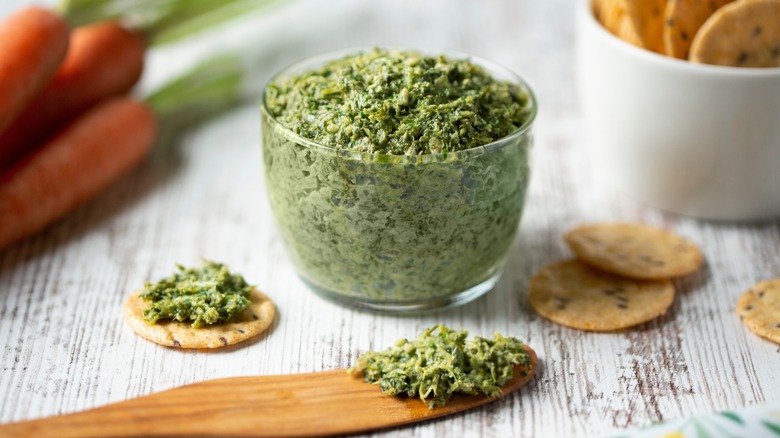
(65, 347)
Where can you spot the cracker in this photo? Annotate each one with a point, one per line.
(251, 322)
(647, 18)
(682, 20)
(608, 12)
(635, 250)
(613, 15)
(759, 309)
(572, 294)
(742, 34)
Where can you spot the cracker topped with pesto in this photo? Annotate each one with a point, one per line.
(398, 102)
(205, 295)
(203, 307)
(442, 362)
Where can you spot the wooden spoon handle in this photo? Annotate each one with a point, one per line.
(240, 406)
(312, 404)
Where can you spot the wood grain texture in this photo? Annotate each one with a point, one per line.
(65, 347)
(292, 405)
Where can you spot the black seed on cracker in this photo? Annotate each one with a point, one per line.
(684, 36)
(240, 331)
(748, 308)
(622, 305)
(254, 316)
(761, 294)
(176, 343)
(742, 58)
(223, 340)
(757, 31)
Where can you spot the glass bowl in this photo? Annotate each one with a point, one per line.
(397, 232)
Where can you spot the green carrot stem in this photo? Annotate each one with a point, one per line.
(160, 21)
(204, 91)
(178, 26)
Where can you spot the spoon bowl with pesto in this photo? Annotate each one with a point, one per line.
(397, 178)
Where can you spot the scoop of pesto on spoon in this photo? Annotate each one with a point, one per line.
(441, 362)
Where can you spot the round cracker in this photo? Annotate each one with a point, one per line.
(682, 20)
(635, 251)
(572, 294)
(647, 17)
(759, 309)
(742, 34)
(255, 319)
(613, 15)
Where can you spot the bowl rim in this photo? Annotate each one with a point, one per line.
(588, 20)
(490, 66)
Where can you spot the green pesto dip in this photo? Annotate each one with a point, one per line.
(208, 294)
(370, 215)
(398, 102)
(441, 362)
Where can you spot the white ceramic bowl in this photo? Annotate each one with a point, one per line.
(695, 139)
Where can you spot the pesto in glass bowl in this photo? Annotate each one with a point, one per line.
(397, 178)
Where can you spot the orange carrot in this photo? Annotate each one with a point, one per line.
(33, 43)
(103, 60)
(73, 166)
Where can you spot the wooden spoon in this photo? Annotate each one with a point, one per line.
(312, 404)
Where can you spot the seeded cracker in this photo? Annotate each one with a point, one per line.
(254, 320)
(613, 15)
(572, 294)
(742, 34)
(634, 250)
(759, 309)
(683, 18)
(647, 18)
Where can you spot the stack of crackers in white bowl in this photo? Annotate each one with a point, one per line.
(739, 33)
(680, 101)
